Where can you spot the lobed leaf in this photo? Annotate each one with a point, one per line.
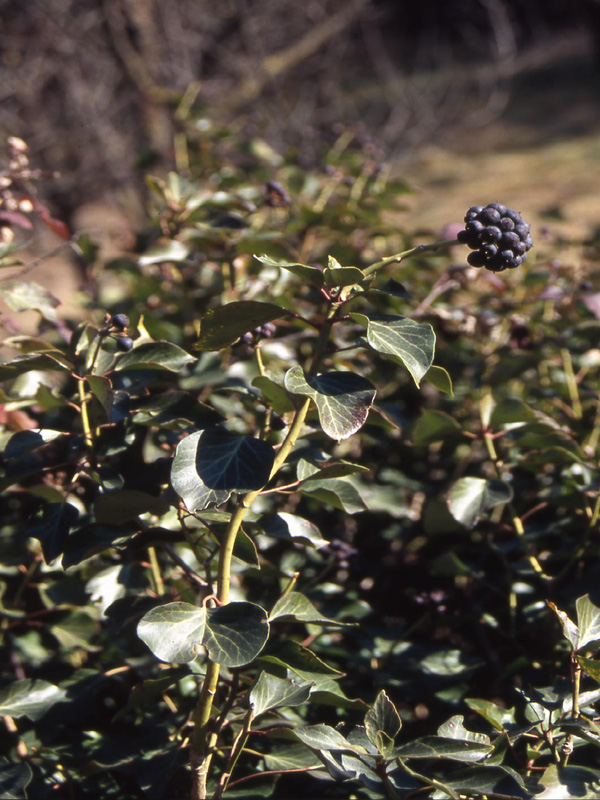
(343, 399)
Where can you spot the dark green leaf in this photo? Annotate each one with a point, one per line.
(52, 528)
(275, 395)
(343, 399)
(338, 492)
(471, 498)
(271, 692)
(14, 778)
(440, 378)
(210, 465)
(235, 633)
(295, 605)
(382, 717)
(222, 326)
(434, 426)
(301, 661)
(43, 362)
(438, 747)
(154, 355)
(454, 729)
(115, 508)
(29, 698)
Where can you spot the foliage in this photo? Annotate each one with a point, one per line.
(341, 556)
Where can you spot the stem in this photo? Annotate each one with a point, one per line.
(421, 248)
(571, 383)
(159, 586)
(203, 742)
(85, 419)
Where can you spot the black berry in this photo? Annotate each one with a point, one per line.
(498, 236)
(120, 321)
(124, 343)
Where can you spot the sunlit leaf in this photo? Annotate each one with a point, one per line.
(412, 343)
(471, 498)
(343, 399)
(310, 274)
(173, 631)
(588, 619)
(30, 698)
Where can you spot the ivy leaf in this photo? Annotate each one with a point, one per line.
(29, 698)
(154, 355)
(324, 738)
(236, 633)
(591, 667)
(311, 274)
(382, 717)
(271, 692)
(469, 498)
(337, 492)
(343, 399)
(14, 778)
(302, 662)
(294, 528)
(210, 465)
(222, 326)
(570, 630)
(27, 295)
(440, 378)
(434, 426)
(172, 250)
(454, 729)
(588, 619)
(569, 782)
(173, 631)
(408, 342)
(297, 606)
(336, 275)
(52, 528)
(276, 395)
(115, 508)
(440, 747)
(40, 362)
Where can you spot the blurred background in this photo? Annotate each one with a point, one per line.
(485, 99)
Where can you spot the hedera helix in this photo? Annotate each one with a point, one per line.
(216, 466)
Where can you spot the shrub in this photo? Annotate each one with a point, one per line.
(230, 514)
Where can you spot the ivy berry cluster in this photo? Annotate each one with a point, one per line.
(116, 327)
(498, 235)
(251, 338)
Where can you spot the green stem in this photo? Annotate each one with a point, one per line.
(203, 741)
(370, 270)
(571, 383)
